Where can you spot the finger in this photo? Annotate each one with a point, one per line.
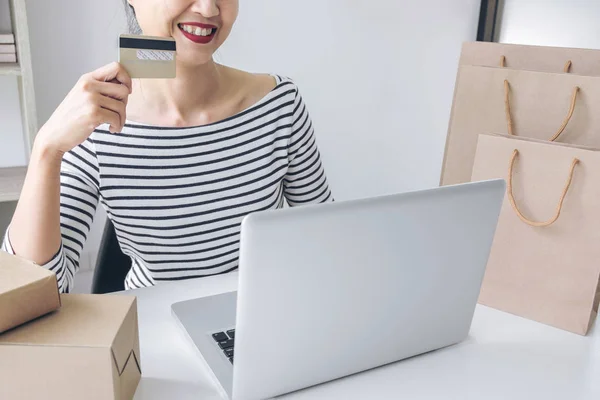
(119, 83)
(114, 90)
(101, 116)
(117, 107)
(113, 71)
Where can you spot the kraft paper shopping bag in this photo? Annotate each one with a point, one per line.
(539, 105)
(545, 258)
(532, 58)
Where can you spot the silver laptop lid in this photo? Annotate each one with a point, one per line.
(330, 290)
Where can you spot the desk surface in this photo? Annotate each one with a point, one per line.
(505, 357)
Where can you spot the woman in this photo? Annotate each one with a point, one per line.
(176, 163)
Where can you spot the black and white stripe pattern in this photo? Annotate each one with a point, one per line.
(177, 196)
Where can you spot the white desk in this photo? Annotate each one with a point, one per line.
(505, 357)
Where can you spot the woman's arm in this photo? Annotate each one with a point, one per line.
(56, 204)
(35, 226)
(305, 181)
(60, 193)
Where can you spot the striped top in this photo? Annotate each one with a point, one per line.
(177, 196)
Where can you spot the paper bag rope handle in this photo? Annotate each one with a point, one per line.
(566, 69)
(513, 203)
(560, 130)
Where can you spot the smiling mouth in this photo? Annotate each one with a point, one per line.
(199, 31)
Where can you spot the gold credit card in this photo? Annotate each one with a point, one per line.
(147, 56)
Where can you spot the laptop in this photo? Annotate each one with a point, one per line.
(330, 290)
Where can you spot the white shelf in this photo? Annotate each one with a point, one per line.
(11, 179)
(11, 183)
(10, 69)
(24, 71)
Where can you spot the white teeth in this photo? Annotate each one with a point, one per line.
(197, 30)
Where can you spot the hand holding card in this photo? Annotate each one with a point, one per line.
(98, 97)
(147, 56)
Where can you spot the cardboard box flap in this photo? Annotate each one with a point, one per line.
(125, 347)
(127, 379)
(92, 321)
(16, 309)
(131, 363)
(27, 291)
(17, 272)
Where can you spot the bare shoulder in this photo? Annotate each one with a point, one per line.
(262, 83)
(252, 87)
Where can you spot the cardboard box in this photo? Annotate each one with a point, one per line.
(27, 291)
(88, 349)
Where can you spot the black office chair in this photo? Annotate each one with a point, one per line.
(112, 265)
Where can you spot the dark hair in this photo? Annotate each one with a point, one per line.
(132, 22)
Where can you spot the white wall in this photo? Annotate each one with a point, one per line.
(68, 39)
(4, 17)
(563, 23)
(377, 76)
(11, 129)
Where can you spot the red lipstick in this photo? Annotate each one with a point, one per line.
(197, 38)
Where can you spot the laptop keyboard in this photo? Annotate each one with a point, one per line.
(225, 341)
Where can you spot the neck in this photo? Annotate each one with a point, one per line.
(194, 89)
